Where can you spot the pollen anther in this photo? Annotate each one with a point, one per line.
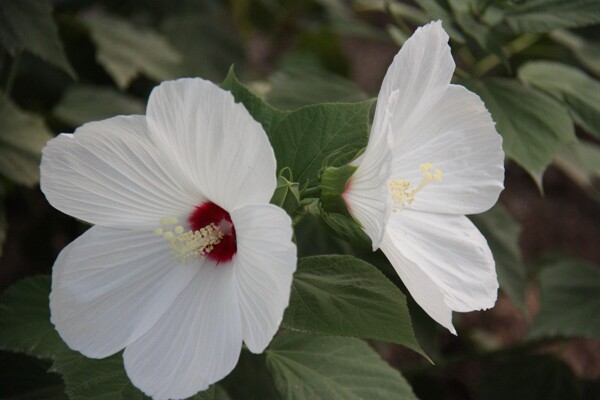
(403, 192)
(186, 246)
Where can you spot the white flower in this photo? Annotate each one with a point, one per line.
(187, 258)
(433, 156)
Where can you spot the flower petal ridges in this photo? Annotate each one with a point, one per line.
(446, 161)
(188, 258)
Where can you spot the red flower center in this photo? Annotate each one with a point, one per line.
(210, 213)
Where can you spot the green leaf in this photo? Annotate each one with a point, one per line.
(581, 162)
(91, 379)
(532, 377)
(436, 10)
(22, 136)
(125, 50)
(307, 139)
(586, 51)
(538, 16)
(533, 125)
(580, 92)
(484, 35)
(249, 380)
(345, 296)
(207, 42)
(260, 111)
(320, 135)
(502, 233)
(84, 103)
(315, 237)
(28, 25)
(570, 300)
(27, 378)
(330, 368)
(345, 226)
(25, 319)
(287, 195)
(300, 85)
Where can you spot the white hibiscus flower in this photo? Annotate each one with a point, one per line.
(433, 156)
(187, 258)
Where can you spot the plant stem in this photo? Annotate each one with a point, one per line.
(12, 74)
(461, 73)
(491, 60)
(311, 192)
(397, 18)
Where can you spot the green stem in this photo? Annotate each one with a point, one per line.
(311, 192)
(491, 60)
(518, 348)
(397, 19)
(484, 7)
(465, 54)
(12, 74)
(461, 73)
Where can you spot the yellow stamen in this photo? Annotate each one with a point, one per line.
(402, 191)
(187, 246)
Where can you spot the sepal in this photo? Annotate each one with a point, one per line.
(287, 195)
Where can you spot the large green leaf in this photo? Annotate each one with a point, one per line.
(502, 234)
(90, 379)
(570, 291)
(257, 107)
(28, 25)
(27, 378)
(299, 85)
(484, 35)
(579, 91)
(25, 327)
(345, 296)
(546, 15)
(586, 51)
(250, 380)
(310, 137)
(125, 50)
(25, 319)
(581, 161)
(22, 136)
(84, 103)
(534, 126)
(532, 377)
(306, 139)
(332, 368)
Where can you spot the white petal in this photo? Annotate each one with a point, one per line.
(458, 137)
(215, 140)
(420, 72)
(451, 252)
(421, 287)
(109, 173)
(197, 341)
(367, 194)
(110, 286)
(264, 265)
